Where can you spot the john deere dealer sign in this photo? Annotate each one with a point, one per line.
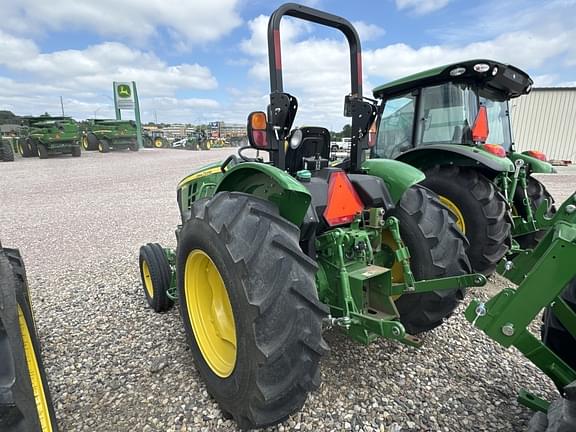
(124, 95)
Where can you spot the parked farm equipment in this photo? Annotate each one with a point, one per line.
(44, 136)
(25, 402)
(452, 122)
(193, 141)
(109, 134)
(268, 253)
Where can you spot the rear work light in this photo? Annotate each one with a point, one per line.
(537, 154)
(495, 149)
(343, 201)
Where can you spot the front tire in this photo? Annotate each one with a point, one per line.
(437, 249)
(103, 146)
(156, 275)
(480, 210)
(42, 151)
(238, 257)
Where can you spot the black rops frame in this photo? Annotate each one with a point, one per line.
(282, 109)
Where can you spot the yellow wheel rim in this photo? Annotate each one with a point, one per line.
(85, 142)
(454, 209)
(100, 147)
(20, 149)
(158, 143)
(35, 377)
(147, 279)
(210, 313)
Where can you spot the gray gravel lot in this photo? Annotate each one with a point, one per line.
(114, 365)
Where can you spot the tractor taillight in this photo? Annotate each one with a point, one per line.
(495, 149)
(536, 154)
(343, 201)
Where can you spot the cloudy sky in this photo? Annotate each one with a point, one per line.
(197, 61)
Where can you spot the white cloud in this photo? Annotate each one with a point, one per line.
(368, 31)
(421, 7)
(191, 22)
(84, 77)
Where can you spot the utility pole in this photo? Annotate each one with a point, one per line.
(62, 106)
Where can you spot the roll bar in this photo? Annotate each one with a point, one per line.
(309, 14)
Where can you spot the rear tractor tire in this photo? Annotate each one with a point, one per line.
(26, 404)
(250, 308)
(156, 276)
(437, 249)
(28, 148)
(480, 211)
(91, 142)
(6, 152)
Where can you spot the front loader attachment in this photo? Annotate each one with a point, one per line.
(541, 276)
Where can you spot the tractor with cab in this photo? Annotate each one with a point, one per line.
(453, 123)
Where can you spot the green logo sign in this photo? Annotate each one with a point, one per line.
(124, 91)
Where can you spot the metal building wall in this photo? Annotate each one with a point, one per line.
(545, 120)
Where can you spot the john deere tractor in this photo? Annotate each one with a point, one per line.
(44, 136)
(25, 402)
(453, 123)
(269, 253)
(109, 134)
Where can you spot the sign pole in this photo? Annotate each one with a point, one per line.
(137, 116)
(116, 108)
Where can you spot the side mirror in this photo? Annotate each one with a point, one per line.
(258, 130)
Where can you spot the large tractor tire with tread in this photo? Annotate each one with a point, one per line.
(480, 210)
(554, 334)
(104, 146)
(250, 308)
(159, 142)
(76, 151)
(28, 148)
(42, 151)
(134, 146)
(6, 151)
(437, 249)
(26, 404)
(156, 276)
(91, 142)
(537, 193)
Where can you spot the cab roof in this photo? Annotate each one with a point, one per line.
(507, 80)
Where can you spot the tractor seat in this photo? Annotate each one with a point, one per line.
(315, 141)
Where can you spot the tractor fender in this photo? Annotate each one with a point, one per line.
(536, 165)
(458, 155)
(269, 183)
(398, 176)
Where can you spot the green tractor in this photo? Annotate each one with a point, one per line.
(8, 146)
(156, 139)
(193, 141)
(109, 134)
(44, 136)
(270, 253)
(25, 401)
(453, 123)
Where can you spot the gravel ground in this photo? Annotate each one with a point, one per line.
(114, 365)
